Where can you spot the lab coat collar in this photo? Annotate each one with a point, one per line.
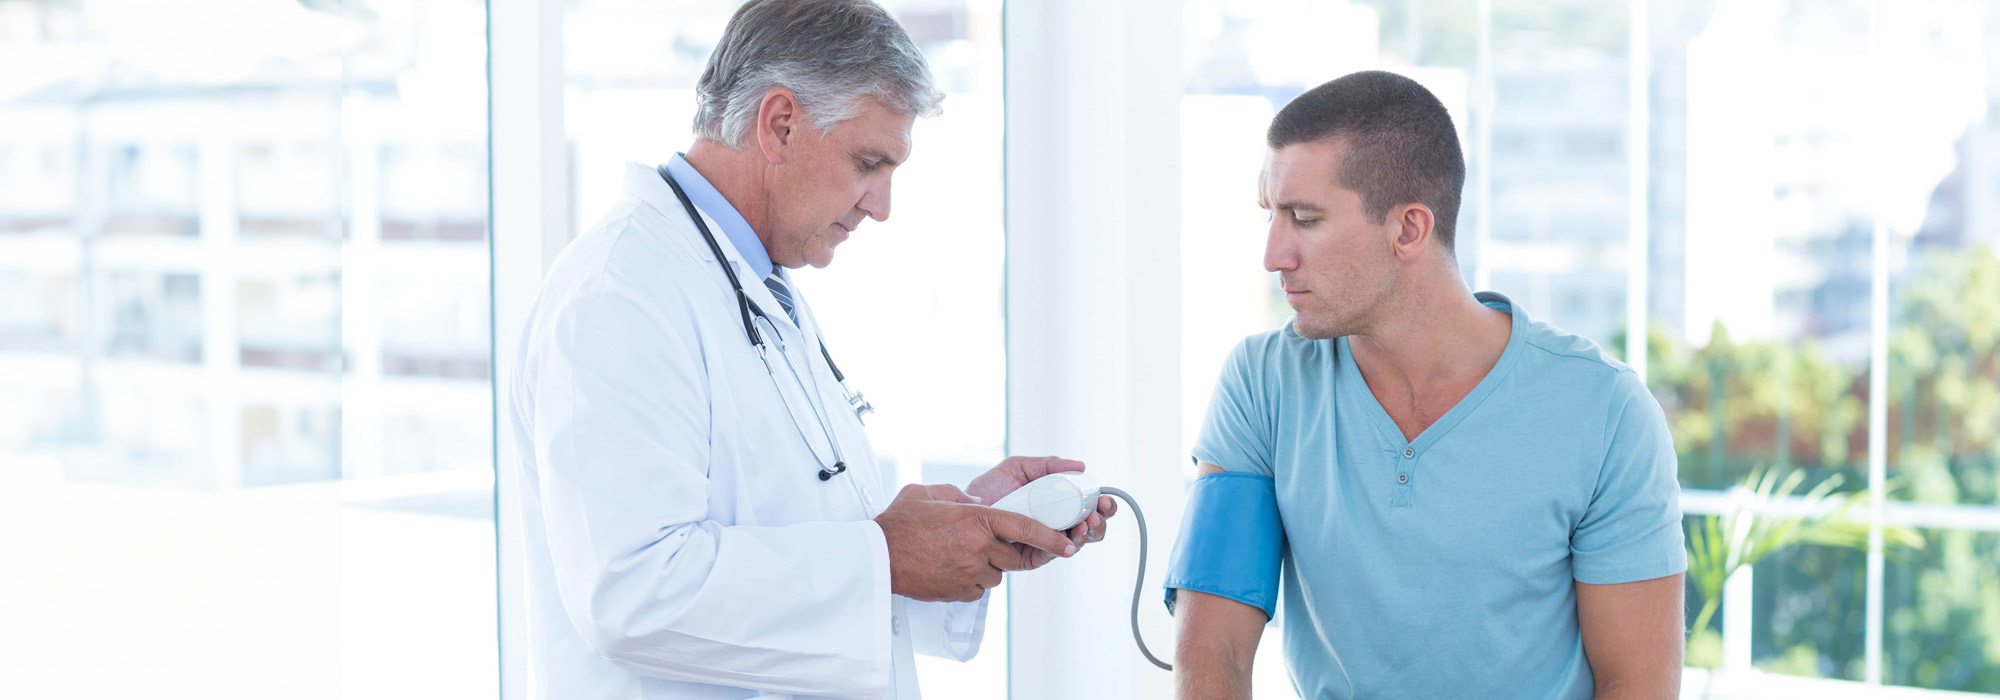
(720, 210)
(645, 183)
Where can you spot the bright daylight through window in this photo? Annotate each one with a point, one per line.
(245, 424)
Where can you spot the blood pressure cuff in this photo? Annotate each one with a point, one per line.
(1231, 541)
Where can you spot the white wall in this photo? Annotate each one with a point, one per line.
(1093, 319)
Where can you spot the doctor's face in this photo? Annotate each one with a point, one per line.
(830, 182)
(1337, 264)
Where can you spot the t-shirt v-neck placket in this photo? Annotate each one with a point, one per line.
(1409, 456)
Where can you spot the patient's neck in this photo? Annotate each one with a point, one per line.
(1435, 339)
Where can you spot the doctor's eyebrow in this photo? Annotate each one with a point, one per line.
(877, 156)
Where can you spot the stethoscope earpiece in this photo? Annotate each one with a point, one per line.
(838, 467)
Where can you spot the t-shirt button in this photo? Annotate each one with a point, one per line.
(1403, 478)
(1409, 452)
(895, 625)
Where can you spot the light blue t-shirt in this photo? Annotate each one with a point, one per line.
(1443, 567)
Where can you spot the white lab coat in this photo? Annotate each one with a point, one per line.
(680, 543)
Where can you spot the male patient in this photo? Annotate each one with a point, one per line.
(1474, 504)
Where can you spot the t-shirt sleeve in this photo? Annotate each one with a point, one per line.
(1237, 434)
(1632, 528)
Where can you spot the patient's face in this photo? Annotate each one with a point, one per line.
(1336, 264)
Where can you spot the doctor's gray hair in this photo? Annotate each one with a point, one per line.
(830, 53)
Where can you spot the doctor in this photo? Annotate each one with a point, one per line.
(704, 516)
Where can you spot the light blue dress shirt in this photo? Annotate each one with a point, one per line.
(1444, 567)
(717, 207)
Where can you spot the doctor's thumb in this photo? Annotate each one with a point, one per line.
(1015, 527)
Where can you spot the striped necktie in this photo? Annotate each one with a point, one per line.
(783, 294)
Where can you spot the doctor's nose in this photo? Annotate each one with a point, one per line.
(875, 202)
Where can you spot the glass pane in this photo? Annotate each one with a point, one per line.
(1759, 369)
(1809, 612)
(1939, 189)
(1559, 121)
(1704, 649)
(1944, 228)
(932, 271)
(1942, 610)
(219, 251)
(1759, 271)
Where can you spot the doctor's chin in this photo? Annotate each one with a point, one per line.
(1000, 349)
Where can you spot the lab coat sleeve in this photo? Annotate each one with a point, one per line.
(622, 404)
(948, 630)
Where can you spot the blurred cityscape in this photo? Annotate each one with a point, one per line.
(244, 397)
(244, 263)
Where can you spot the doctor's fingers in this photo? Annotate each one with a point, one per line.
(948, 492)
(935, 492)
(1009, 556)
(1094, 525)
(968, 594)
(1088, 531)
(1025, 530)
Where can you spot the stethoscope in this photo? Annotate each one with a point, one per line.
(751, 315)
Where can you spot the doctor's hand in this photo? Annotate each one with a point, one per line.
(942, 546)
(1016, 472)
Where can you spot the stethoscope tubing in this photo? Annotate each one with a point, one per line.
(751, 313)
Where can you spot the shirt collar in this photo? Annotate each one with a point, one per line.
(717, 207)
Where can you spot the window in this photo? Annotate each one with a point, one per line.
(244, 407)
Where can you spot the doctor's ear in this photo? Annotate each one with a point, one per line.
(776, 116)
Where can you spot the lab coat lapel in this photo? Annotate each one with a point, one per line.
(646, 184)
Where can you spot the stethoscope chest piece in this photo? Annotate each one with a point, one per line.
(860, 405)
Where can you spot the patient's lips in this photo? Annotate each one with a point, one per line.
(1294, 294)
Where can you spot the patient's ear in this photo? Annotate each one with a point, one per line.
(1414, 225)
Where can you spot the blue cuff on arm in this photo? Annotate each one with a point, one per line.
(1231, 541)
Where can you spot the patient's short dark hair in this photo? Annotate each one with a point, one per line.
(1401, 147)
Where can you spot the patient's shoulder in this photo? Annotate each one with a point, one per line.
(1279, 347)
